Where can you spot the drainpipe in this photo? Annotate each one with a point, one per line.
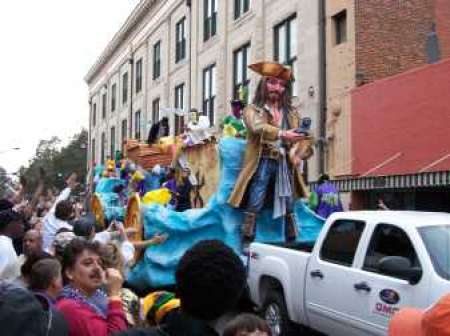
(88, 150)
(131, 62)
(189, 5)
(322, 85)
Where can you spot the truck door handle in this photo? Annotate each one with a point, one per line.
(362, 286)
(316, 274)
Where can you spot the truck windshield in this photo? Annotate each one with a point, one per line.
(437, 243)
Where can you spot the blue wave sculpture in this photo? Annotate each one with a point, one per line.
(109, 199)
(216, 221)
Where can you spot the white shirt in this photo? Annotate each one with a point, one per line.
(9, 265)
(53, 224)
(103, 237)
(128, 250)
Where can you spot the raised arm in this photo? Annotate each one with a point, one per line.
(71, 183)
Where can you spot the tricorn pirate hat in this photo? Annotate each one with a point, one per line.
(272, 69)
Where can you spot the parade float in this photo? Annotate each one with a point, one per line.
(214, 162)
(217, 220)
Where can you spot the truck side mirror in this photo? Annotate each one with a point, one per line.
(400, 267)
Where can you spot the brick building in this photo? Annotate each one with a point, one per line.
(398, 35)
(369, 40)
(174, 55)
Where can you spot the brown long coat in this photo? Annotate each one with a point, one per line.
(260, 129)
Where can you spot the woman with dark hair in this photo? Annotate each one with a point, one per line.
(88, 310)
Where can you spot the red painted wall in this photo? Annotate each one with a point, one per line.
(407, 113)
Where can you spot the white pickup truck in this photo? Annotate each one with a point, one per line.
(364, 266)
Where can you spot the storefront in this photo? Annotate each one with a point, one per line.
(401, 142)
(423, 191)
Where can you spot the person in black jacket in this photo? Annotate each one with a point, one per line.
(158, 130)
(184, 189)
(210, 280)
(24, 314)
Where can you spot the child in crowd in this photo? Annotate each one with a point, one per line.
(247, 325)
(112, 258)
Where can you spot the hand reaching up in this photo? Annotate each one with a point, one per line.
(72, 181)
(160, 238)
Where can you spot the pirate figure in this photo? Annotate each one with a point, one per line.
(272, 166)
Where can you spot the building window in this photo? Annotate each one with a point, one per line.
(241, 80)
(125, 88)
(93, 151)
(157, 60)
(155, 110)
(209, 92)
(240, 8)
(102, 148)
(94, 114)
(286, 43)
(104, 106)
(124, 132)
(209, 19)
(137, 125)
(113, 143)
(179, 106)
(139, 75)
(180, 47)
(340, 27)
(113, 97)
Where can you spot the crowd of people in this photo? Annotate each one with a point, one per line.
(60, 276)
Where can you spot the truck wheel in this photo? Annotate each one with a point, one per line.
(275, 313)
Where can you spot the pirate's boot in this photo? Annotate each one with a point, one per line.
(248, 228)
(290, 230)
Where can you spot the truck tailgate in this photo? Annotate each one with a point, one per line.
(269, 265)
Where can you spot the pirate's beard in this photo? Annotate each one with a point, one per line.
(274, 98)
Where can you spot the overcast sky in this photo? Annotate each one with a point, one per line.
(47, 48)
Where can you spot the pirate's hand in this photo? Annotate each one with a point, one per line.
(291, 136)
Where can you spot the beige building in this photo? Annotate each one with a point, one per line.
(174, 55)
(341, 79)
